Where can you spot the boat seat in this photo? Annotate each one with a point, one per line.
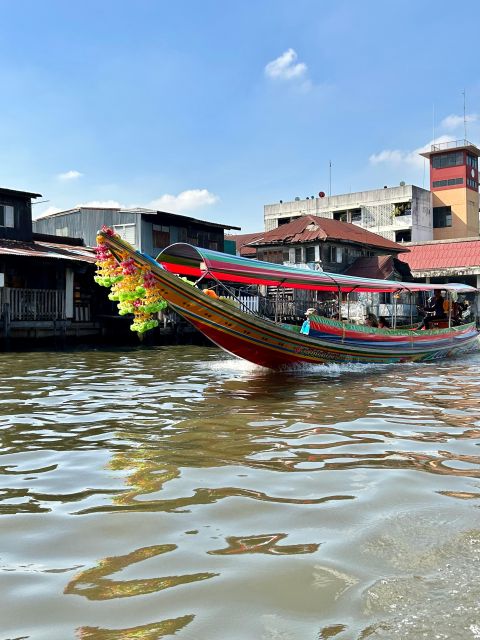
(439, 324)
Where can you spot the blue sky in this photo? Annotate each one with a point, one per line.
(214, 108)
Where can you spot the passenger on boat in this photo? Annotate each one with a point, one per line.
(435, 305)
(371, 320)
(383, 323)
(306, 323)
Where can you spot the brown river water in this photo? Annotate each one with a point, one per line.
(175, 491)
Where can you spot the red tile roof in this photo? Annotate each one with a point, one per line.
(311, 228)
(242, 241)
(443, 254)
(380, 267)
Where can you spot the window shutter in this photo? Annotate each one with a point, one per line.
(9, 216)
(126, 232)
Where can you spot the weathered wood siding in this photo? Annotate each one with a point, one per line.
(22, 218)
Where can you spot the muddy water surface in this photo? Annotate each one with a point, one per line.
(176, 491)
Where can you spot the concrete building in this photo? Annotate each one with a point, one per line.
(454, 186)
(405, 213)
(400, 214)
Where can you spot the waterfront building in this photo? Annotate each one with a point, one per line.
(406, 213)
(445, 261)
(317, 243)
(322, 243)
(146, 229)
(400, 214)
(45, 284)
(454, 187)
(242, 243)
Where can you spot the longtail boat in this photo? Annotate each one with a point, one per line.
(276, 345)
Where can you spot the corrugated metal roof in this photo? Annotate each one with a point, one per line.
(380, 267)
(15, 192)
(46, 250)
(443, 255)
(137, 211)
(313, 228)
(242, 241)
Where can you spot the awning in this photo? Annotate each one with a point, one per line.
(187, 260)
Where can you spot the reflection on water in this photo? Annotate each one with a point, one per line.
(147, 493)
(145, 631)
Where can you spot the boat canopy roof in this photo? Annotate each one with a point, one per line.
(187, 260)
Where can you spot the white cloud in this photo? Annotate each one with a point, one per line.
(184, 201)
(454, 122)
(47, 212)
(101, 204)
(285, 67)
(69, 175)
(393, 156)
(411, 158)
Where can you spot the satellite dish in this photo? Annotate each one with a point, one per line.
(297, 199)
(402, 183)
(321, 194)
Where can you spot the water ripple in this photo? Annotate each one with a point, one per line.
(172, 489)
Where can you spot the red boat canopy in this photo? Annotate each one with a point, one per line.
(187, 260)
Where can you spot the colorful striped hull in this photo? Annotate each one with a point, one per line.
(271, 345)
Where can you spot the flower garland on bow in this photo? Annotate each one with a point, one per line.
(134, 288)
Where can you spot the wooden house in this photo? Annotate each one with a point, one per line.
(45, 284)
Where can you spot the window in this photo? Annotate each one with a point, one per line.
(62, 231)
(310, 254)
(272, 255)
(402, 209)
(442, 217)
(472, 183)
(126, 232)
(443, 160)
(334, 254)
(160, 236)
(7, 218)
(298, 254)
(182, 235)
(356, 215)
(405, 235)
(447, 183)
(472, 161)
(192, 237)
(342, 216)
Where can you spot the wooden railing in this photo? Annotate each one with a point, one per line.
(32, 304)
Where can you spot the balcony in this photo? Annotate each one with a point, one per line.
(451, 144)
(32, 304)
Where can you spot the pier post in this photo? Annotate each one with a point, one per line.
(6, 324)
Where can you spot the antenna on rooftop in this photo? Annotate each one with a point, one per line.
(433, 123)
(464, 116)
(330, 178)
